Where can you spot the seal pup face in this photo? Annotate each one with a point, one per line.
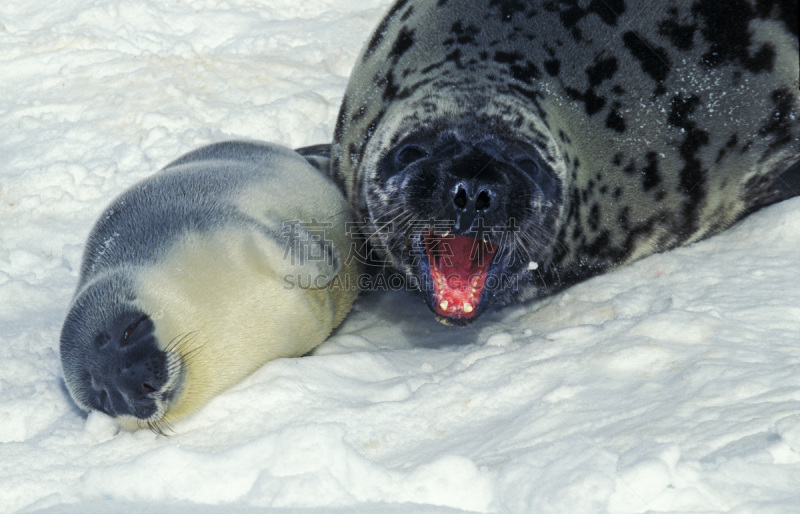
(112, 360)
(464, 215)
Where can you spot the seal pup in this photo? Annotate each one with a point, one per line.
(231, 256)
(496, 151)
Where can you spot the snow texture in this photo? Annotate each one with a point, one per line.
(670, 385)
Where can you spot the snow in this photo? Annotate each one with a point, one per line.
(670, 385)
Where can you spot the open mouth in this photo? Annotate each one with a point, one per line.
(459, 266)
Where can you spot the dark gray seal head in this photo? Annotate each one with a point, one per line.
(111, 357)
(498, 151)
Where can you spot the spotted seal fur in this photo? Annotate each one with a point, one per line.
(496, 151)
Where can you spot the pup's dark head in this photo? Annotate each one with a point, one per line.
(468, 218)
(110, 356)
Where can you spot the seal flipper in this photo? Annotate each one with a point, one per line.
(789, 181)
(782, 187)
(318, 156)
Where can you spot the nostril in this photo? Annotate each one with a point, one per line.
(460, 200)
(483, 201)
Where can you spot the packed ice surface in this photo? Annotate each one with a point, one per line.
(670, 385)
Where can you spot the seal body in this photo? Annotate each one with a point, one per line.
(231, 256)
(499, 150)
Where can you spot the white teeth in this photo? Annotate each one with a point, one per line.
(467, 307)
(443, 305)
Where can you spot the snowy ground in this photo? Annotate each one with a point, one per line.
(673, 384)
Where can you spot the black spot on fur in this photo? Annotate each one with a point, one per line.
(601, 246)
(681, 36)
(779, 124)
(624, 219)
(602, 70)
(353, 152)
(571, 13)
(372, 125)
(410, 88)
(360, 112)
(507, 57)
(593, 103)
(526, 73)
(577, 233)
(552, 67)
(653, 59)
(650, 174)
(377, 36)
(692, 175)
(726, 27)
(465, 35)
(614, 120)
(455, 57)
(390, 88)
(404, 41)
(340, 119)
(630, 169)
(731, 143)
(594, 217)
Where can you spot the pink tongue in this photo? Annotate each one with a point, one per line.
(461, 258)
(458, 270)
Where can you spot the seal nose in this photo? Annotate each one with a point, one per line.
(477, 189)
(473, 202)
(136, 381)
(480, 200)
(129, 368)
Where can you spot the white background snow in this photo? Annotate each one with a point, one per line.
(670, 385)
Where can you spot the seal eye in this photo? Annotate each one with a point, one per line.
(135, 330)
(529, 166)
(540, 174)
(127, 334)
(409, 154)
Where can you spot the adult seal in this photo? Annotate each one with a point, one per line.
(231, 256)
(500, 150)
